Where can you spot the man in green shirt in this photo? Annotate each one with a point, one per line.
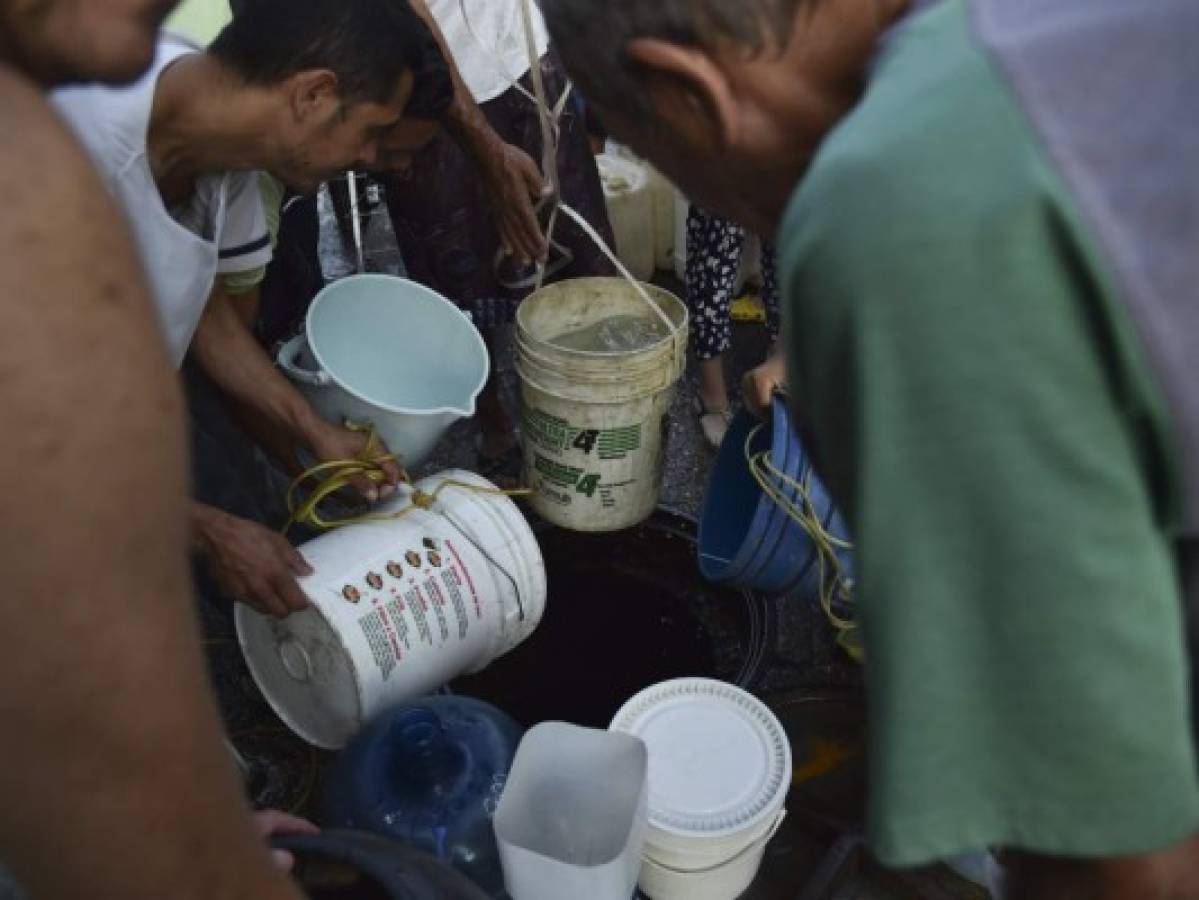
(986, 335)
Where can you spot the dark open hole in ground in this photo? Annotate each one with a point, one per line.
(625, 611)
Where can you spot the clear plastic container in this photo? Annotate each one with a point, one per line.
(572, 821)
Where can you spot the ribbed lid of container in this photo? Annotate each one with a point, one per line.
(719, 760)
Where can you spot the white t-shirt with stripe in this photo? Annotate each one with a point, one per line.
(500, 54)
(221, 230)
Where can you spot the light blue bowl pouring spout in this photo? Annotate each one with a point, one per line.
(388, 352)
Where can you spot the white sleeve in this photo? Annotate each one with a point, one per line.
(245, 240)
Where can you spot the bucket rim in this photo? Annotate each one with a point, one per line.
(742, 565)
(752, 813)
(656, 293)
(426, 294)
(241, 614)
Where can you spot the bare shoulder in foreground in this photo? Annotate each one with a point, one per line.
(115, 780)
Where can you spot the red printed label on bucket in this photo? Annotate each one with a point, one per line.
(453, 589)
(437, 602)
(418, 608)
(421, 595)
(385, 629)
(462, 574)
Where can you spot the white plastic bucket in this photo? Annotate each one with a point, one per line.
(595, 423)
(399, 608)
(389, 352)
(630, 201)
(572, 819)
(721, 881)
(682, 209)
(663, 194)
(720, 769)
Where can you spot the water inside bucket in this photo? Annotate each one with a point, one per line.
(616, 334)
(398, 345)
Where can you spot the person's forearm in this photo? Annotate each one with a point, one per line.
(464, 120)
(116, 782)
(248, 305)
(227, 352)
(201, 518)
(1168, 874)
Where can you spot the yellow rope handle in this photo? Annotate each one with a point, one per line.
(331, 477)
(768, 477)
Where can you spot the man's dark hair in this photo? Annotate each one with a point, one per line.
(432, 87)
(593, 35)
(368, 44)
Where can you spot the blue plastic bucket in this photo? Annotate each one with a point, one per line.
(746, 539)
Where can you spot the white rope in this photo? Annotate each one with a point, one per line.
(359, 249)
(551, 131)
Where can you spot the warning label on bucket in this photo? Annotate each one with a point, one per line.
(419, 608)
(454, 589)
(417, 599)
(433, 590)
(383, 638)
(556, 435)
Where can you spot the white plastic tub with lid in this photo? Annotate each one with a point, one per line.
(719, 772)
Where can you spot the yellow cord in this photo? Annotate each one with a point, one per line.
(331, 477)
(833, 582)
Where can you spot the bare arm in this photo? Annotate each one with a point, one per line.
(1170, 874)
(759, 385)
(251, 562)
(115, 781)
(511, 178)
(226, 350)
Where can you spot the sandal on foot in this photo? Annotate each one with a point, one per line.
(714, 426)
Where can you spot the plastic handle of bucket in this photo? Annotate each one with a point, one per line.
(289, 353)
(752, 848)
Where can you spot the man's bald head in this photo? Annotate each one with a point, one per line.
(595, 35)
(729, 98)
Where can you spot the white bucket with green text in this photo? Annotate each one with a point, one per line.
(595, 421)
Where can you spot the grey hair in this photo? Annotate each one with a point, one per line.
(593, 36)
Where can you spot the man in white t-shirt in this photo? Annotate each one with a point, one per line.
(302, 89)
(489, 42)
(445, 215)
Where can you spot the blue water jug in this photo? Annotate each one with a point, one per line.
(429, 775)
